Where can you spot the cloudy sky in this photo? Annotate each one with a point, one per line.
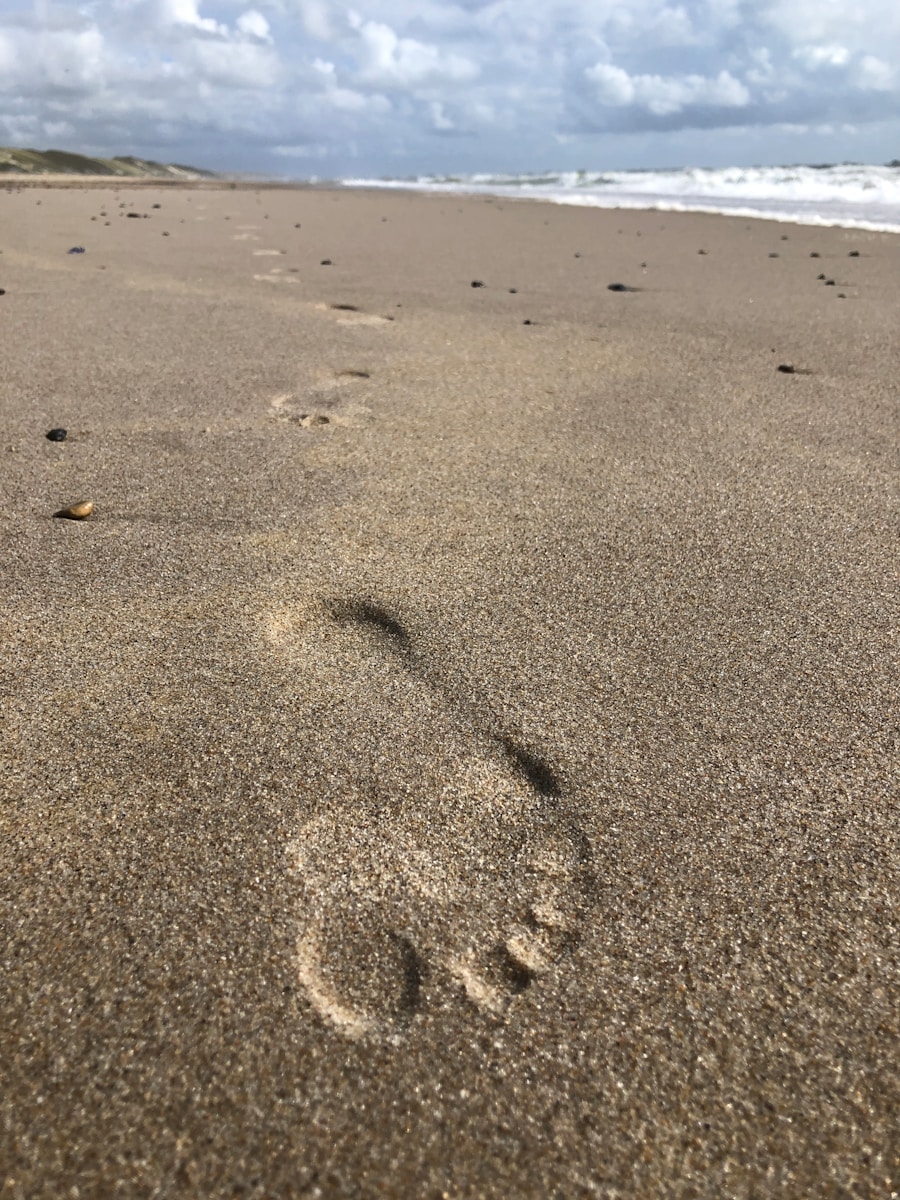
(400, 87)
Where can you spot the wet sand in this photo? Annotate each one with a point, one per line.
(458, 754)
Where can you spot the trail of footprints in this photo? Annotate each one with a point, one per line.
(460, 881)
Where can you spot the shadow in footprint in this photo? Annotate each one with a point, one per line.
(509, 972)
(373, 616)
(536, 770)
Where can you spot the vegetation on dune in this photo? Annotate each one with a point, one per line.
(61, 162)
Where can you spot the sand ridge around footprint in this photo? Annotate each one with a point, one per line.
(455, 874)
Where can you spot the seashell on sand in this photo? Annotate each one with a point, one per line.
(76, 512)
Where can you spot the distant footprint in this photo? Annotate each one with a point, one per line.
(276, 275)
(349, 314)
(458, 878)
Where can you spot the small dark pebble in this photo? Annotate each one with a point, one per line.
(620, 287)
(512, 291)
(2, 291)
(297, 226)
(701, 251)
(165, 234)
(853, 254)
(56, 435)
(815, 254)
(578, 256)
(784, 237)
(842, 295)
(134, 216)
(156, 206)
(526, 322)
(773, 255)
(830, 283)
(477, 283)
(820, 277)
(326, 262)
(345, 307)
(76, 250)
(787, 368)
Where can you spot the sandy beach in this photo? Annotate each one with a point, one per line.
(457, 756)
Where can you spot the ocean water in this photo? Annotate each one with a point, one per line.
(849, 195)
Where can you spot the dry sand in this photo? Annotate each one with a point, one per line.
(457, 757)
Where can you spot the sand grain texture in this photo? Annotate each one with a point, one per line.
(455, 757)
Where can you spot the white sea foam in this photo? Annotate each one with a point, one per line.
(850, 195)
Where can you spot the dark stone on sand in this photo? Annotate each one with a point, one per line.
(830, 283)
(815, 254)
(526, 322)
(75, 250)
(56, 435)
(297, 226)
(2, 291)
(578, 256)
(820, 277)
(853, 254)
(165, 234)
(620, 287)
(784, 237)
(477, 283)
(156, 206)
(512, 291)
(787, 368)
(701, 251)
(842, 295)
(326, 262)
(134, 216)
(773, 255)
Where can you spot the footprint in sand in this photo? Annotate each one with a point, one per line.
(323, 404)
(349, 314)
(452, 877)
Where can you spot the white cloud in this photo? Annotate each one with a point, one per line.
(877, 75)
(254, 24)
(389, 60)
(439, 119)
(816, 56)
(233, 64)
(661, 95)
(186, 12)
